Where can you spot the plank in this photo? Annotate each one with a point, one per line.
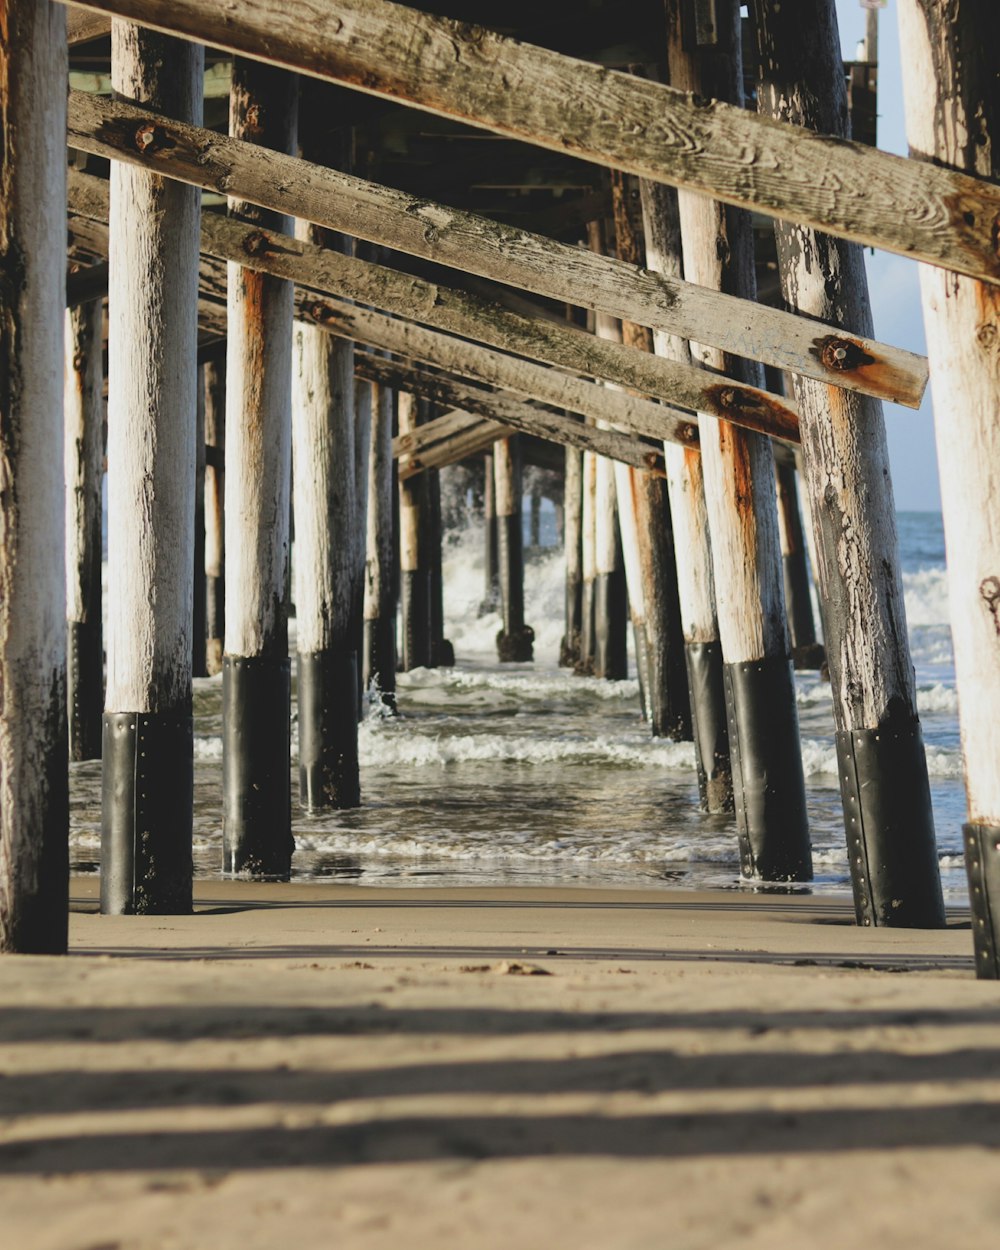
(503, 253)
(510, 411)
(934, 214)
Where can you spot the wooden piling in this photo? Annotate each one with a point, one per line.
(84, 464)
(950, 55)
(148, 772)
(199, 596)
(414, 573)
(610, 591)
(717, 245)
(34, 821)
(692, 543)
(666, 694)
(491, 570)
(442, 652)
(215, 527)
(883, 771)
(256, 676)
(379, 603)
(328, 529)
(807, 652)
(569, 648)
(588, 564)
(515, 641)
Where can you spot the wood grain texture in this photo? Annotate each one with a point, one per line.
(845, 452)
(378, 602)
(511, 411)
(936, 214)
(83, 457)
(258, 393)
(685, 480)
(717, 247)
(478, 245)
(33, 801)
(953, 118)
(152, 335)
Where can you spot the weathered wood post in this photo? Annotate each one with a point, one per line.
(610, 593)
(666, 695)
(953, 118)
(491, 571)
(215, 529)
(414, 573)
(717, 244)
(328, 582)
(256, 676)
(515, 641)
(364, 400)
(569, 650)
(588, 564)
(34, 819)
(199, 599)
(883, 771)
(148, 773)
(807, 653)
(84, 463)
(380, 604)
(692, 543)
(442, 652)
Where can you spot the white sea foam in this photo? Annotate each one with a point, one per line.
(926, 596)
(937, 698)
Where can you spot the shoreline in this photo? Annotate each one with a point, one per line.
(497, 1067)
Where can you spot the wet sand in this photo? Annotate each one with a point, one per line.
(320, 1065)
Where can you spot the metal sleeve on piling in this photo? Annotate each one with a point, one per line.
(707, 686)
(610, 625)
(982, 864)
(890, 826)
(768, 785)
(147, 795)
(380, 658)
(515, 642)
(256, 785)
(85, 688)
(328, 730)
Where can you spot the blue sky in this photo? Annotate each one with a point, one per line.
(893, 281)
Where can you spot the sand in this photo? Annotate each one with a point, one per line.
(349, 1067)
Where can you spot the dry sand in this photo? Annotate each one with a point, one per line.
(318, 1066)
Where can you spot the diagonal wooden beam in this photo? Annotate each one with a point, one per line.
(931, 213)
(456, 312)
(503, 253)
(445, 440)
(508, 410)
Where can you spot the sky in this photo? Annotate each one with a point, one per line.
(893, 281)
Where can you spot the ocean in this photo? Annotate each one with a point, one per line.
(523, 774)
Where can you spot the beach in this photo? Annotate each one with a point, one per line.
(335, 1064)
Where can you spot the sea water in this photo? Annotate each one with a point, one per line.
(525, 774)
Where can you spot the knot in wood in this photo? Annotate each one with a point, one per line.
(257, 243)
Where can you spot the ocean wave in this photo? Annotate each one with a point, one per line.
(399, 745)
(926, 596)
(937, 698)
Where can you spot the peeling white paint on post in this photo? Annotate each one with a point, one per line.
(414, 575)
(717, 245)
(569, 648)
(84, 467)
(953, 118)
(330, 489)
(692, 541)
(152, 339)
(888, 818)
(215, 526)
(588, 544)
(34, 820)
(257, 838)
(379, 604)
(515, 641)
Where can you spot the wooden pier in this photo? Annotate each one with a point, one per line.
(421, 239)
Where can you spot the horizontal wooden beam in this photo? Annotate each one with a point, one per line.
(484, 247)
(506, 409)
(931, 213)
(457, 312)
(445, 440)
